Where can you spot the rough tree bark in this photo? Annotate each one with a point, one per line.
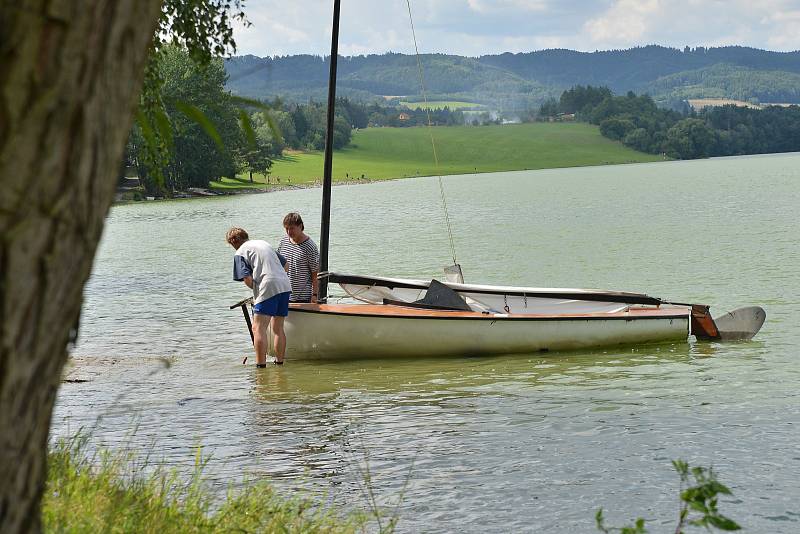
(70, 75)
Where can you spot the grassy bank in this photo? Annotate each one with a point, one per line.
(113, 492)
(384, 153)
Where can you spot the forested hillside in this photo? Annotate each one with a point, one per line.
(637, 122)
(519, 82)
(728, 81)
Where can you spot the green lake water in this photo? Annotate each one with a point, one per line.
(525, 443)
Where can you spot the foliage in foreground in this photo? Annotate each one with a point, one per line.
(112, 492)
(698, 503)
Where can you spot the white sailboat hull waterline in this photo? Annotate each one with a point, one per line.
(399, 317)
(360, 330)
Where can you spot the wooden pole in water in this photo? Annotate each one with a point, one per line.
(243, 303)
(249, 324)
(325, 227)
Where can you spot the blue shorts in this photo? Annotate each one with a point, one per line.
(277, 306)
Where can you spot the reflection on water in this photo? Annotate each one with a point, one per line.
(512, 443)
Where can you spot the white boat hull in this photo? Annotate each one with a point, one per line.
(357, 331)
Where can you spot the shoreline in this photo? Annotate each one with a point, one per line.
(209, 192)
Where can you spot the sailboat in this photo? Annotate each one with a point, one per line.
(400, 317)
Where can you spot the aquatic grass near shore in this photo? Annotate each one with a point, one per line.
(117, 492)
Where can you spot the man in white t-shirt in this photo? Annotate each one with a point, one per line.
(261, 268)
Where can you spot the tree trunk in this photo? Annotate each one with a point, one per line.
(70, 76)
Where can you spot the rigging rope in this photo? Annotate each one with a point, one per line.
(430, 131)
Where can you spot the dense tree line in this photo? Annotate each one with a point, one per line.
(174, 150)
(521, 81)
(202, 135)
(639, 123)
(728, 81)
(302, 126)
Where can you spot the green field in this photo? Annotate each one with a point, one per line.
(385, 153)
(441, 104)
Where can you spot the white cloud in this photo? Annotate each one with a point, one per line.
(488, 6)
(784, 29)
(625, 23)
(477, 27)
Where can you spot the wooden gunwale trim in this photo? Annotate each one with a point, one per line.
(400, 312)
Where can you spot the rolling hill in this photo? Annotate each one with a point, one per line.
(515, 82)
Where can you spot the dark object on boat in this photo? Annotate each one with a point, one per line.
(441, 297)
(438, 297)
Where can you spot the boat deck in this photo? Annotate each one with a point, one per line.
(390, 310)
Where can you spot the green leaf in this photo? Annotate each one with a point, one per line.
(718, 487)
(195, 114)
(242, 101)
(247, 127)
(152, 150)
(251, 102)
(147, 130)
(164, 126)
(273, 126)
(599, 521)
(681, 467)
(723, 523)
(698, 506)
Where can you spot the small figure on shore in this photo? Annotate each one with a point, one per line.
(260, 267)
(302, 259)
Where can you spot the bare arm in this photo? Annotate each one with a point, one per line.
(314, 286)
(248, 281)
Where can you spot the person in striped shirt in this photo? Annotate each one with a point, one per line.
(302, 259)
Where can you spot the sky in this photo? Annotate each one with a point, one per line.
(477, 27)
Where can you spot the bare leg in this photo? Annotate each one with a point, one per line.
(260, 337)
(280, 337)
(270, 341)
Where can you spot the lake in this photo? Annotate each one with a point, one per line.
(515, 443)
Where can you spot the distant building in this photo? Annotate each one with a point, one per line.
(404, 116)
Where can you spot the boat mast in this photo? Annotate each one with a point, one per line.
(325, 227)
